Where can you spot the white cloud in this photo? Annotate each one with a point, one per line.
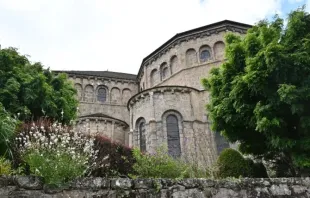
(110, 34)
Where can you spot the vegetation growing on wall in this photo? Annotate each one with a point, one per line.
(161, 165)
(260, 96)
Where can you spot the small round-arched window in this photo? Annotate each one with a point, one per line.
(205, 55)
(102, 95)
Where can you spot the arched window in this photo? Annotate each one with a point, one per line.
(174, 147)
(204, 53)
(140, 126)
(102, 94)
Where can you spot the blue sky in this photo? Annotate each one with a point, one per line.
(115, 35)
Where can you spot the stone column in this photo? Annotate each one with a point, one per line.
(151, 137)
(152, 107)
(145, 78)
(130, 140)
(112, 130)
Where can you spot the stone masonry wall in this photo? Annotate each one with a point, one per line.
(197, 143)
(32, 187)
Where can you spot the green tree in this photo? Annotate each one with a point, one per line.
(260, 96)
(7, 127)
(30, 92)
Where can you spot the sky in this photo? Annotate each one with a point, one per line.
(115, 35)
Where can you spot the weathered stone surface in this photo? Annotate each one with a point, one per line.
(29, 186)
(121, 183)
(145, 183)
(178, 65)
(95, 183)
(29, 182)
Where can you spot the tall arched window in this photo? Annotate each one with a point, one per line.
(142, 136)
(102, 94)
(174, 147)
(140, 128)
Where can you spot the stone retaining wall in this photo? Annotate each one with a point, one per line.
(31, 187)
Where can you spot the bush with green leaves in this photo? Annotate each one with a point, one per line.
(161, 165)
(56, 168)
(7, 128)
(231, 163)
(5, 166)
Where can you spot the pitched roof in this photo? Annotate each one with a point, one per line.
(107, 74)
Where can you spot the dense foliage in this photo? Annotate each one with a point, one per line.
(7, 127)
(114, 159)
(231, 163)
(260, 96)
(162, 165)
(5, 166)
(30, 92)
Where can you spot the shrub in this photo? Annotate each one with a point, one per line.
(7, 128)
(5, 166)
(161, 165)
(231, 163)
(56, 168)
(55, 151)
(114, 159)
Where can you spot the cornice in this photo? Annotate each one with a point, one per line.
(159, 89)
(89, 77)
(98, 118)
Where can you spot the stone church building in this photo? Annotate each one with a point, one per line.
(164, 104)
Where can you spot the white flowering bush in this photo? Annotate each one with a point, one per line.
(55, 151)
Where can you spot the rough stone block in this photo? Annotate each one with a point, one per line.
(121, 183)
(144, 183)
(29, 182)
